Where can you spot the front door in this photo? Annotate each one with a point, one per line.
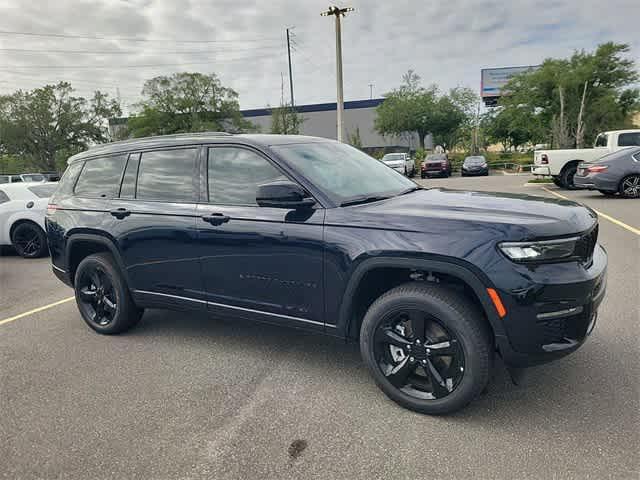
(258, 261)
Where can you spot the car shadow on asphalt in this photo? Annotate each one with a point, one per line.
(542, 391)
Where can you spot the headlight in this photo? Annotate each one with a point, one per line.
(543, 251)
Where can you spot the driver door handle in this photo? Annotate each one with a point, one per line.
(216, 218)
(120, 213)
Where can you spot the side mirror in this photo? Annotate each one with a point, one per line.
(283, 194)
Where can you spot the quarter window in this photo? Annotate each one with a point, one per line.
(101, 177)
(3, 197)
(236, 173)
(601, 140)
(43, 191)
(167, 175)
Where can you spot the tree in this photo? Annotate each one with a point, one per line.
(573, 99)
(48, 124)
(354, 139)
(187, 102)
(418, 110)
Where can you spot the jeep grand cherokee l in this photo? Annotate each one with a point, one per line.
(289, 230)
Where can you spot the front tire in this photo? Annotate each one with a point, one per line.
(103, 297)
(29, 240)
(428, 348)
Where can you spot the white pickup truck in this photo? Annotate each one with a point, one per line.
(561, 165)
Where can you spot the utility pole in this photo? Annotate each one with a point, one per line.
(339, 12)
(371, 90)
(290, 75)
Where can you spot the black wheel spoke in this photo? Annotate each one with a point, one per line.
(399, 373)
(438, 385)
(109, 306)
(388, 335)
(95, 279)
(88, 295)
(443, 348)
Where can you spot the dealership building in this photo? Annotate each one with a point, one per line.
(319, 120)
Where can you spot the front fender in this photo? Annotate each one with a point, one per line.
(460, 269)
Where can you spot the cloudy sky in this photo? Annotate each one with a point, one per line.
(114, 45)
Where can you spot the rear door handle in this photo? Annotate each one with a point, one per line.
(120, 213)
(216, 218)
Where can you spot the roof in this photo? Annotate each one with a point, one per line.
(316, 107)
(185, 139)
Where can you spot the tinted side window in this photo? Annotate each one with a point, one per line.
(601, 140)
(3, 197)
(5, 179)
(629, 139)
(235, 173)
(101, 177)
(128, 188)
(167, 175)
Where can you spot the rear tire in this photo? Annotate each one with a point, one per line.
(453, 381)
(567, 177)
(630, 186)
(29, 240)
(103, 297)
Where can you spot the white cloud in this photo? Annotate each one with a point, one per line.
(445, 42)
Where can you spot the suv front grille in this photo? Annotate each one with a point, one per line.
(586, 244)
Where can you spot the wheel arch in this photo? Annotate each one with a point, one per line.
(81, 245)
(464, 273)
(22, 217)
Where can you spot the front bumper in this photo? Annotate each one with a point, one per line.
(553, 311)
(474, 171)
(434, 172)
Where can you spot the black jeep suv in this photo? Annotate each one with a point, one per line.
(315, 234)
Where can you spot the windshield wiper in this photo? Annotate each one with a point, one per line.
(363, 199)
(409, 190)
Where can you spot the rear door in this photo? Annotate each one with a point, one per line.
(258, 262)
(153, 223)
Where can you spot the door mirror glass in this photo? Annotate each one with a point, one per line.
(283, 194)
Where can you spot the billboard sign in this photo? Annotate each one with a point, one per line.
(493, 80)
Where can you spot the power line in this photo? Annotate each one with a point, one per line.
(151, 65)
(132, 52)
(130, 39)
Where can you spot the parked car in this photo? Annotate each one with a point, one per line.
(474, 165)
(436, 164)
(563, 164)
(26, 177)
(400, 162)
(22, 210)
(617, 172)
(287, 230)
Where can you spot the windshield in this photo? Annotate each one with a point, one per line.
(342, 172)
(436, 157)
(474, 160)
(393, 156)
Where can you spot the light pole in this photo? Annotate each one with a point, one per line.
(339, 12)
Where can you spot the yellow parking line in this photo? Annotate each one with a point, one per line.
(36, 310)
(603, 215)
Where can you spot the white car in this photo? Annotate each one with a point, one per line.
(400, 162)
(562, 165)
(22, 210)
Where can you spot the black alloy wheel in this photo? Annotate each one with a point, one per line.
(29, 240)
(97, 296)
(102, 295)
(630, 187)
(428, 347)
(419, 355)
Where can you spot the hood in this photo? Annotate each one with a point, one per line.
(513, 217)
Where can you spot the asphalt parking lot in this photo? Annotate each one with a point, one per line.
(187, 396)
